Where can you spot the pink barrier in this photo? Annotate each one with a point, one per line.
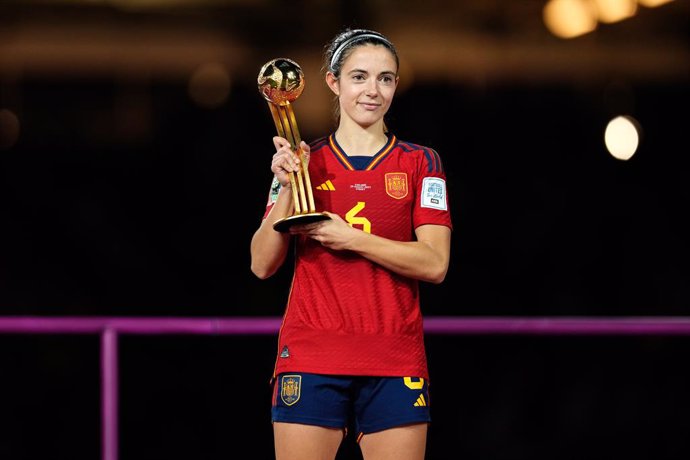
(110, 327)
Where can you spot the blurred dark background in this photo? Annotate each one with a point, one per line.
(134, 168)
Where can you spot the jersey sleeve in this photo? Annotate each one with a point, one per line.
(432, 203)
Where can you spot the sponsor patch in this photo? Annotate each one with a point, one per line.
(434, 193)
(396, 185)
(290, 388)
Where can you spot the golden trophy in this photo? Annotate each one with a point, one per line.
(281, 81)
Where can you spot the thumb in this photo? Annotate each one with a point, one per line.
(306, 151)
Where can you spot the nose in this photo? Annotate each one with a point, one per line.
(371, 88)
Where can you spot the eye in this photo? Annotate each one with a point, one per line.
(387, 79)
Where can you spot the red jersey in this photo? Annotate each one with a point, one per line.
(347, 315)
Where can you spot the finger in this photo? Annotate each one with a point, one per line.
(306, 151)
(280, 142)
(286, 158)
(305, 147)
(331, 215)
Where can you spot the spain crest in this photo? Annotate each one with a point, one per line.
(290, 387)
(396, 185)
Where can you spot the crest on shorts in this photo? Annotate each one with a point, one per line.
(290, 388)
(396, 185)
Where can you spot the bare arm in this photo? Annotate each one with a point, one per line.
(268, 247)
(426, 259)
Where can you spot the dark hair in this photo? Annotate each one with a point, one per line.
(338, 49)
(342, 45)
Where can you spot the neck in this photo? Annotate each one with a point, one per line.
(361, 141)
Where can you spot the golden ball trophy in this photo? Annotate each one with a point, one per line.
(281, 81)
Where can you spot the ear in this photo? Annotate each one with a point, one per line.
(333, 83)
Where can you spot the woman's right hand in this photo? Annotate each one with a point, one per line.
(285, 161)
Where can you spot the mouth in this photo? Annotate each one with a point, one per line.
(370, 105)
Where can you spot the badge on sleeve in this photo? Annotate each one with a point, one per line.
(275, 188)
(434, 193)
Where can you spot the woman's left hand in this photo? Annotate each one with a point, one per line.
(333, 233)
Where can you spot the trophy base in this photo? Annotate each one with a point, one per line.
(284, 224)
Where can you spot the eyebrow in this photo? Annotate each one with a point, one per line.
(385, 72)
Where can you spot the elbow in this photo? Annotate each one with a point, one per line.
(266, 256)
(264, 267)
(438, 279)
(436, 275)
(261, 272)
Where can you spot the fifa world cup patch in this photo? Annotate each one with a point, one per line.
(275, 188)
(290, 388)
(434, 193)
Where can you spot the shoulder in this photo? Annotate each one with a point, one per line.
(319, 143)
(425, 154)
(411, 147)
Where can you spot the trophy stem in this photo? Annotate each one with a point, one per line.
(290, 126)
(305, 164)
(293, 124)
(279, 119)
(295, 198)
(276, 119)
(310, 195)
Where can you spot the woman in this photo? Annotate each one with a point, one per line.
(351, 347)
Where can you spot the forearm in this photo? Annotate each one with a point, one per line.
(425, 259)
(268, 247)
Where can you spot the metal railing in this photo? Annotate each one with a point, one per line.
(110, 327)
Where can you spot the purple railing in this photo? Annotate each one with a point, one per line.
(110, 327)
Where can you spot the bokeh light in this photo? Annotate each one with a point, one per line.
(622, 137)
(209, 85)
(569, 18)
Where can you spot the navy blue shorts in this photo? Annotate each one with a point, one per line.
(367, 404)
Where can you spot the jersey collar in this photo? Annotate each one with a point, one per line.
(375, 160)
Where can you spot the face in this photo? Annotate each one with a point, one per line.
(366, 86)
